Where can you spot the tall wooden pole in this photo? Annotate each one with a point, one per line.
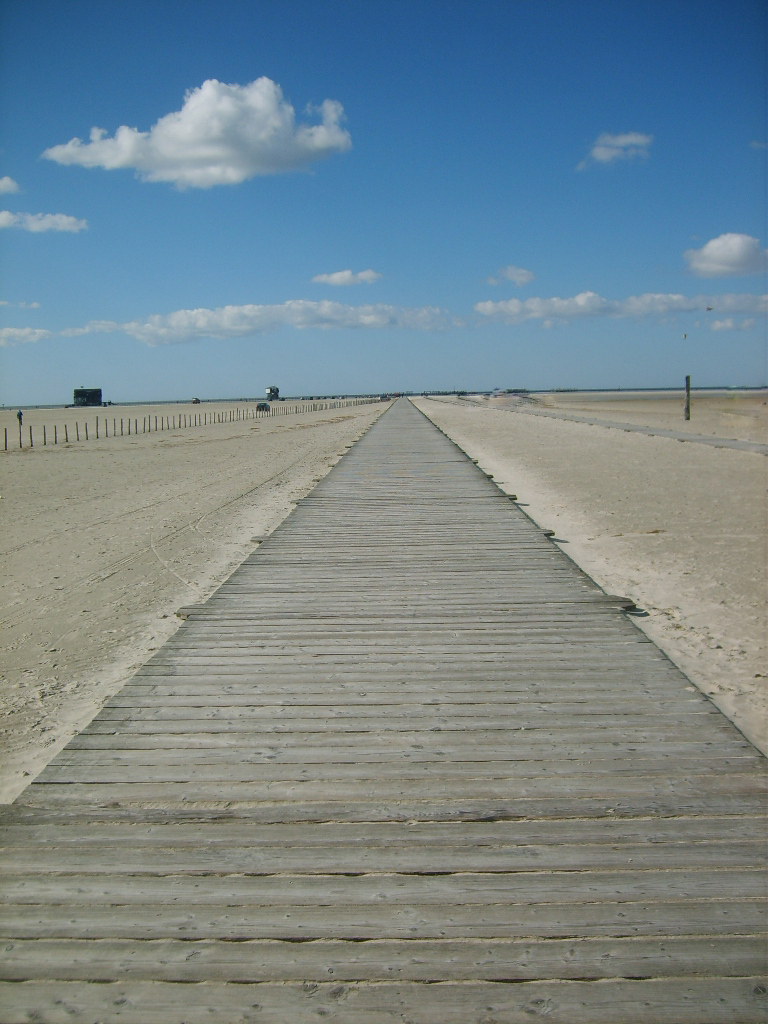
(688, 397)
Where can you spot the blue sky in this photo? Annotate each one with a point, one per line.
(380, 195)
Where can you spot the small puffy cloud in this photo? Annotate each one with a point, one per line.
(8, 185)
(19, 335)
(518, 275)
(590, 304)
(222, 135)
(729, 324)
(756, 144)
(729, 255)
(37, 222)
(239, 321)
(343, 277)
(610, 148)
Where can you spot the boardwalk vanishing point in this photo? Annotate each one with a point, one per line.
(408, 764)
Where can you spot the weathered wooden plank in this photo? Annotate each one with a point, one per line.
(192, 808)
(717, 1000)
(662, 725)
(624, 790)
(380, 959)
(89, 768)
(369, 835)
(103, 859)
(567, 888)
(295, 922)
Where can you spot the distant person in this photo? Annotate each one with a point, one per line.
(20, 417)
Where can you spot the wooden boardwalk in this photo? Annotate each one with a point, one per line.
(408, 764)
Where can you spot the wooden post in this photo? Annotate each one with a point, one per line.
(55, 434)
(44, 438)
(114, 427)
(97, 428)
(77, 430)
(86, 430)
(6, 438)
(121, 426)
(31, 445)
(21, 443)
(155, 424)
(129, 426)
(135, 426)
(106, 427)
(66, 434)
(688, 397)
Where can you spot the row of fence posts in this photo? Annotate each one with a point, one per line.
(186, 420)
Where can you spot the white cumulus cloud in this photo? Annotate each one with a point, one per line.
(729, 255)
(19, 335)
(610, 148)
(343, 277)
(8, 184)
(37, 222)
(222, 135)
(518, 275)
(239, 321)
(590, 304)
(729, 324)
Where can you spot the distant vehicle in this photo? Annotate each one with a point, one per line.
(273, 394)
(87, 396)
(195, 401)
(262, 407)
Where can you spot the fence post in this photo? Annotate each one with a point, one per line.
(77, 430)
(86, 430)
(97, 428)
(55, 434)
(44, 437)
(66, 433)
(6, 438)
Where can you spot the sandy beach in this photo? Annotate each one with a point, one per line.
(103, 541)
(679, 528)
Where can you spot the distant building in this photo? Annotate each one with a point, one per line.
(273, 394)
(87, 396)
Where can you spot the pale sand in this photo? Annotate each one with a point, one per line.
(103, 541)
(737, 415)
(682, 529)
